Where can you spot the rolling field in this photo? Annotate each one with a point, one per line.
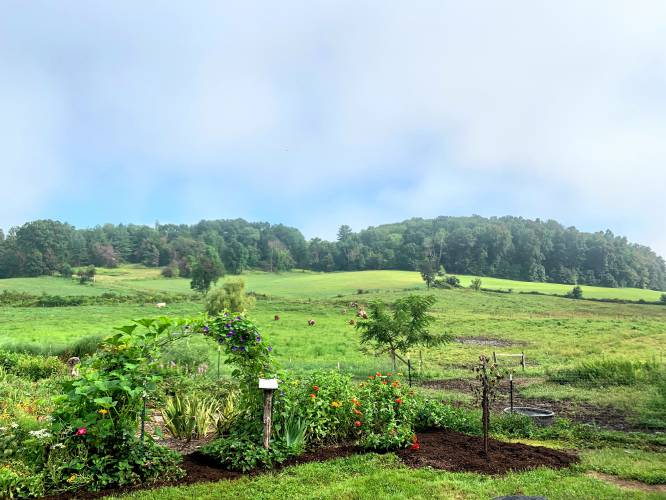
(298, 284)
(554, 333)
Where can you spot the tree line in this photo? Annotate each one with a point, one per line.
(504, 247)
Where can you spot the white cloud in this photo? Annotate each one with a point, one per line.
(532, 108)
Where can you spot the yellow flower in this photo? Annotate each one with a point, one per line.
(336, 404)
(72, 478)
(103, 411)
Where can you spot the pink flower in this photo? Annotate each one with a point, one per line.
(82, 431)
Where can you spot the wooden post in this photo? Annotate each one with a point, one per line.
(522, 360)
(268, 416)
(409, 371)
(511, 390)
(494, 357)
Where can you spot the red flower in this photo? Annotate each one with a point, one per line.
(378, 374)
(398, 400)
(315, 387)
(81, 431)
(356, 402)
(416, 446)
(384, 382)
(357, 423)
(357, 412)
(312, 396)
(371, 377)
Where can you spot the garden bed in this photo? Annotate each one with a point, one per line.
(457, 452)
(439, 449)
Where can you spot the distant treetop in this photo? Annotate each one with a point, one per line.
(503, 247)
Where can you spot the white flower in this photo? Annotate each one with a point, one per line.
(13, 425)
(58, 445)
(40, 434)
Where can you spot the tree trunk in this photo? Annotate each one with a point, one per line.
(393, 360)
(486, 419)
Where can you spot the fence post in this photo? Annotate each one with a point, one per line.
(409, 371)
(219, 348)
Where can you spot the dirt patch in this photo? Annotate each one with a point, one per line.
(576, 411)
(628, 484)
(453, 451)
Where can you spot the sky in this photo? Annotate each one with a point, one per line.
(322, 113)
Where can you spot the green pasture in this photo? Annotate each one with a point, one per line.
(296, 284)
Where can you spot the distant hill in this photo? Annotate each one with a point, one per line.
(501, 247)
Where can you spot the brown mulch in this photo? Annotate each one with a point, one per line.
(440, 449)
(453, 451)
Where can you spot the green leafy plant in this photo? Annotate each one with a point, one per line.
(396, 328)
(384, 414)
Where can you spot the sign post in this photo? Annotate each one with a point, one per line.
(268, 385)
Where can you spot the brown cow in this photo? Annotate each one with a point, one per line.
(311, 322)
(277, 317)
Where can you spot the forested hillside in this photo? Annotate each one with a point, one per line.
(506, 247)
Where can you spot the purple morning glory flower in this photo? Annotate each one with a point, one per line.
(228, 325)
(226, 314)
(238, 318)
(243, 349)
(205, 329)
(234, 348)
(269, 348)
(258, 338)
(230, 335)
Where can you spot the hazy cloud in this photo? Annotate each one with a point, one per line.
(322, 113)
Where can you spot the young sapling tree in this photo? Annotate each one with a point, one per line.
(396, 328)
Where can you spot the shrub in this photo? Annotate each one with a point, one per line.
(231, 298)
(242, 452)
(446, 282)
(30, 366)
(17, 481)
(322, 400)
(475, 284)
(662, 299)
(575, 293)
(169, 271)
(384, 414)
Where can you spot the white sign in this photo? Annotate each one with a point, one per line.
(268, 383)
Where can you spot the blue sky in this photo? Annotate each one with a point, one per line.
(316, 114)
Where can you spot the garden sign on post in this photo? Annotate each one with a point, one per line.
(268, 385)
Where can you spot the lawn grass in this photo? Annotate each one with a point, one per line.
(374, 476)
(640, 465)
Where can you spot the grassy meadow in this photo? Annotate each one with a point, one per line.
(555, 334)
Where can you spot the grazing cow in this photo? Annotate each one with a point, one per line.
(311, 322)
(160, 305)
(362, 314)
(73, 365)
(352, 322)
(277, 317)
(353, 305)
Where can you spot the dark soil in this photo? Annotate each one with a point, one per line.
(453, 451)
(439, 449)
(576, 411)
